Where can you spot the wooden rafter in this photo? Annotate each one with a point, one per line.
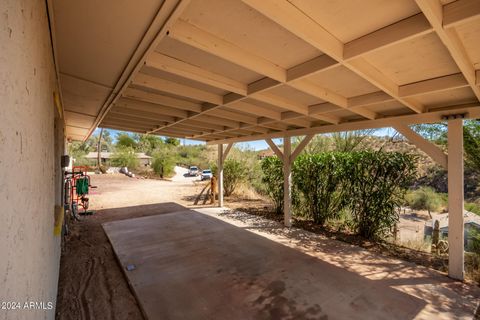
(460, 11)
(203, 40)
(470, 110)
(294, 20)
(171, 10)
(434, 11)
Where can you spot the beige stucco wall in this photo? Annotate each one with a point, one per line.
(29, 176)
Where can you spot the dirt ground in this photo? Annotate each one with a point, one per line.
(91, 284)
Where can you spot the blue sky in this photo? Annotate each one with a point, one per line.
(260, 144)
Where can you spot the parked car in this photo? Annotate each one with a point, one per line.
(193, 171)
(207, 174)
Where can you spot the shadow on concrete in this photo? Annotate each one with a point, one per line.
(114, 214)
(222, 271)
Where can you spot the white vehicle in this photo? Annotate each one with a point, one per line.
(207, 174)
(193, 171)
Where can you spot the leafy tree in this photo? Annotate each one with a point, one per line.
(173, 141)
(471, 137)
(125, 156)
(438, 133)
(435, 132)
(147, 143)
(106, 141)
(78, 150)
(125, 140)
(164, 162)
(234, 173)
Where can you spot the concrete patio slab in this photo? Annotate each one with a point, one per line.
(193, 265)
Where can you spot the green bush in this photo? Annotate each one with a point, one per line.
(368, 185)
(234, 173)
(163, 162)
(424, 198)
(125, 157)
(273, 180)
(318, 178)
(376, 183)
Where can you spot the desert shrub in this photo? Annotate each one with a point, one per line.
(273, 180)
(163, 162)
(234, 173)
(125, 157)
(424, 198)
(376, 183)
(318, 178)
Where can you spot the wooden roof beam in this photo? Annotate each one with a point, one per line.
(193, 36)
(162, 62)
(403, 30)
(460, 11)
(152, 108)
(181, 90)
(471, 111)
(120, 128)
(255, 110)
(297, 22)
(433, 10)
(449, 82)
(141, 114)
(132, 120)
(216, 120)
(137, 94)
(204, 125)
(311, 67)
(203, 40)
(169, 12)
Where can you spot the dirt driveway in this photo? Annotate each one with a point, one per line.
(91, 284)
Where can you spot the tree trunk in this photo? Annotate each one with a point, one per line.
(99, 146)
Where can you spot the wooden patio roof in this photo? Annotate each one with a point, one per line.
(230, 70)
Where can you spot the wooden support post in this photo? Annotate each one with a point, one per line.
(227, 150)
(426, 146)
(455, 200)
(220, 175)
(287, 180)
